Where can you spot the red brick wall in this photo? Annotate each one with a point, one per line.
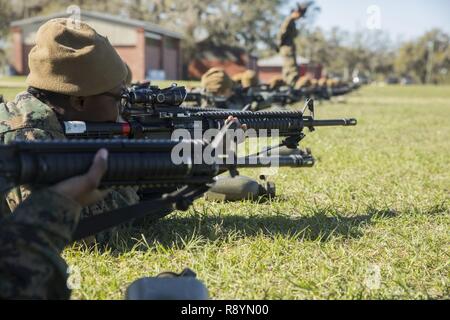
(129, 54)
(139, 61)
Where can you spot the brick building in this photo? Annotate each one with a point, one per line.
(272, 67)
(152, 52)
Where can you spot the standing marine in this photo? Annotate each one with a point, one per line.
(286, 45)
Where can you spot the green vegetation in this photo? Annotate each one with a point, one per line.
(13, 79)
(369, 221)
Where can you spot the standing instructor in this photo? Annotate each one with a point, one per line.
(286, 44)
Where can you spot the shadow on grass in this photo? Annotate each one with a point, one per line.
(178, 231)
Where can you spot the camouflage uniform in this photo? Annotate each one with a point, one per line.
(31, 241)
(286, 42)
(28, 118)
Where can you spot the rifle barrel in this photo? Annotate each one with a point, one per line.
(330, 123)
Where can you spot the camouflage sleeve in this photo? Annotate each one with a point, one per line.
(19, 194)
(116, 198)
(31, 241)
(32, 134)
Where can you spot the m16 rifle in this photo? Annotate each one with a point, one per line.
(262, 96)
(143, 163)
(152, 113)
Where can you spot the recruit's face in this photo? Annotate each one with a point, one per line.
(103, 107)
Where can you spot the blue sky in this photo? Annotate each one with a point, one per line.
(402, 19)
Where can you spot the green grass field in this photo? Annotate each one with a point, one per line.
(369, 221)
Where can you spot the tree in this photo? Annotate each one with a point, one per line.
(248, 24)
(427, 59)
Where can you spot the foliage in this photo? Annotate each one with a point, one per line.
(427, 60)
(253, 26)
(343, 53)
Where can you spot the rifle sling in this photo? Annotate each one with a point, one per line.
(155, 209)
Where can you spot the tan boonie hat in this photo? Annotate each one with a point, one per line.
(74, 60)
(247, 78)
(323, 81)
(276, 82)
(332, 83)
(216, 81)
(303, 82)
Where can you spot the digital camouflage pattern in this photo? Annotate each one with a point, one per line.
(28, 118)
(31, 241)
(286, 44)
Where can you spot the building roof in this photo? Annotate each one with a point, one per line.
(277, 61)
(147, 26)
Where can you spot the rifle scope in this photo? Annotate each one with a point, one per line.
(154, 96)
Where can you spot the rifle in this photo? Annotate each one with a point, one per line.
(144, 163)
(340, 91)
(154, 113)
(263, 96)
(287, 95)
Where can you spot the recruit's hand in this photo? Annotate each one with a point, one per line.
(84, 189)
(240, 137)
(296, 15)
(238, 123)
